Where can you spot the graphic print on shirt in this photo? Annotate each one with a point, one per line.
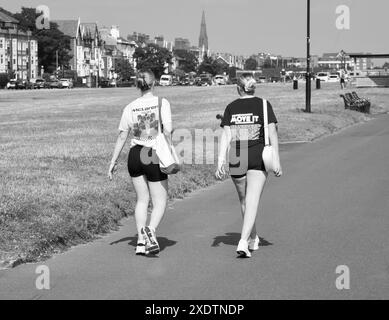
(245, 126)
(145, 123)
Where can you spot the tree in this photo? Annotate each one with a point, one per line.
(189, 61)
(153, 57)
(386, 65)
(268, 63)
(124, 69)
(50, 41)
(232, 72)
(220, 66)
(251, 64)
(207, 66)
(4, 78)
(179, 73)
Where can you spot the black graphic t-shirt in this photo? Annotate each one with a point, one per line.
(245, 118)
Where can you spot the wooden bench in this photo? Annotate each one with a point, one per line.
(353, 102)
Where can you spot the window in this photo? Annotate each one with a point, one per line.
(1, 59)
(1, 43)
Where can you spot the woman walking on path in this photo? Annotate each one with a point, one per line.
(243, 136)
(141, 120)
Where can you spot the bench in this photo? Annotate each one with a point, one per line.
(353, 102)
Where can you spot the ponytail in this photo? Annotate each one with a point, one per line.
(145, 80)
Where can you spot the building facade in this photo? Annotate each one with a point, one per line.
(181, 44)
(230, 59)
(335, 61)
(91, 47)
(115, 47)
(18, 50)
(72, 28)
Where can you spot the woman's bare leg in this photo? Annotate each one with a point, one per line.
(159, 195)
(142, 203)
(255, 183)
(241, 185)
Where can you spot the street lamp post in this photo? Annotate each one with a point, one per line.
(308, 75)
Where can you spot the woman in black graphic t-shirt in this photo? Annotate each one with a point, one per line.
(243, 135)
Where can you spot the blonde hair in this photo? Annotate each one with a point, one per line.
(145, 80)
(247, 83)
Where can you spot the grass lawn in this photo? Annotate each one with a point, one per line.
(55, 147)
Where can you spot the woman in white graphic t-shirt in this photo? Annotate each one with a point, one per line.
(141, 119)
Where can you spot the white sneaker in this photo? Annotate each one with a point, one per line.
(243, 249)
(140, 248)
(254, 244)
(152, 246)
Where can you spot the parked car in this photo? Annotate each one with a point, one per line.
(166, 80)
(175, 82)
(197, 81)
(184, 82)
(333, 77)
(104, 83)
(205, 79)
(39, 83)
(274, 79)
(30, 85)
(11, 84)
(323, 76)
(66, 83)
(21, 84)
(125, 83)
(55, 84)
(108, 83)
(261, 79)
(220, 80)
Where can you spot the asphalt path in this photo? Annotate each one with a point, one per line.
(330, 209)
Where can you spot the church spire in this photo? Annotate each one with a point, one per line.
(203, 39)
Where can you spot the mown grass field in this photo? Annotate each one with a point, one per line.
(55, 147)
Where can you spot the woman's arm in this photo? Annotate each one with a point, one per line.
(225, 141)
(167, 120)
(120, 142)
(273, 136)
(168, 131)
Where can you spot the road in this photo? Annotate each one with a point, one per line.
(330, 208)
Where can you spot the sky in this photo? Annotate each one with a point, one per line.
(236, 26)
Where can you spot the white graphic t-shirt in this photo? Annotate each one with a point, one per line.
(142, 117)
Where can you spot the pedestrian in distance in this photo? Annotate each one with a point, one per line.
(142, 119)
(243, 140)
(342, 79)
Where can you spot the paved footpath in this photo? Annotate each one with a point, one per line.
(330, 208)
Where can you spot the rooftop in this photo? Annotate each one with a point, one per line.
(90, 28)
(7, 18)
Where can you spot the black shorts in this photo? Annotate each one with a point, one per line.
(342, 80)
(242, 160)
(143, 161)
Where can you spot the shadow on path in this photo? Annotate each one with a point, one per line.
(232, 239)
(132, 241)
